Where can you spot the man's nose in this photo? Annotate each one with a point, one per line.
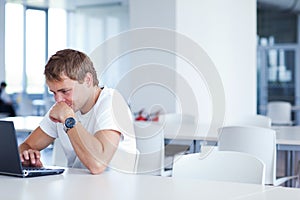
(59, 98)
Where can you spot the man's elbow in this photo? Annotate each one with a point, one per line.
(97, 169)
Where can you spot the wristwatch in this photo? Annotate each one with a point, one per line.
(70, 122)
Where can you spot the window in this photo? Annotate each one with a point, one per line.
(14, 45)
(26, 45)
(35, 50)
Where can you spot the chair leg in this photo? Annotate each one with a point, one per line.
(297, 185)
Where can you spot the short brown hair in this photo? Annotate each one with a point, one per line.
(71, 63)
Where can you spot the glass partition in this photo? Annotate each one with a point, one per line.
(277, 75)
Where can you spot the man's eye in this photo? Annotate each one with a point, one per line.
(65, 91)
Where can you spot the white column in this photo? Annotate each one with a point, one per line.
(226, 31)
(2, 40)
(152, 96)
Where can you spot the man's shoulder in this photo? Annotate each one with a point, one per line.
(109, 94)
(109, 91)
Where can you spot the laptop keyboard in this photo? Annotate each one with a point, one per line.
(34, 168)
(34, 171)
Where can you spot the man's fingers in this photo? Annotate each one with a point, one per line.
(31, 157)
(21, 157)
(37, 154)
(26, 155)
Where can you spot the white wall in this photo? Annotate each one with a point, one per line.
(90, 28)
(226, 30)
(158, 92)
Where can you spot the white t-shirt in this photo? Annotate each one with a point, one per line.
(110, 112)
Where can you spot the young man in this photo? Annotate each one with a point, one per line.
(91, 122)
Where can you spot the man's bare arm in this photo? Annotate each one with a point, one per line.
(31, 147)
(94, 151)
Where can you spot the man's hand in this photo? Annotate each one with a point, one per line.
(31, 158)
(60, 111)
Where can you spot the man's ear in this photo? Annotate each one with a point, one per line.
(89, 79)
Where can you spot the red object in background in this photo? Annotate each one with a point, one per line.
(155, 119)
(141, 116)
(154, 116)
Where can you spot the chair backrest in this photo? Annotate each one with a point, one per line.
(255, 120)
(125, 161)
(221, 166)
(150, 143)
(258, 141)
(280, 112)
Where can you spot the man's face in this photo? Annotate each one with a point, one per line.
(67, 91)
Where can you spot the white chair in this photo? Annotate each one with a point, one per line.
(58, 154)
(150, 143)
(25, 106)
(255, 120)
(258, 141)
(280, 112)
(220, 166)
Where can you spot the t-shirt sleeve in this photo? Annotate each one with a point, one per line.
(105, 118)
(48, 126)
(114, 114)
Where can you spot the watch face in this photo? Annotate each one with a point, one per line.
(70, 122)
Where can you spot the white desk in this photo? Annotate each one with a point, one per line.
(288, 139)
(189, 131)
(79, 184)
(25, 124)
(288, 136)
(276, 193)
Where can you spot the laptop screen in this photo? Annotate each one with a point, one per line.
(9, 155)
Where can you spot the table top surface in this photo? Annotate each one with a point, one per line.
(286, 135)
(25, 123)
(79, 184)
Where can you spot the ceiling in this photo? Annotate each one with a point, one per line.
(286, 5)
(68, 4)
(283, 5)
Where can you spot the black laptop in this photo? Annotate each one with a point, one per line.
(10, 163)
